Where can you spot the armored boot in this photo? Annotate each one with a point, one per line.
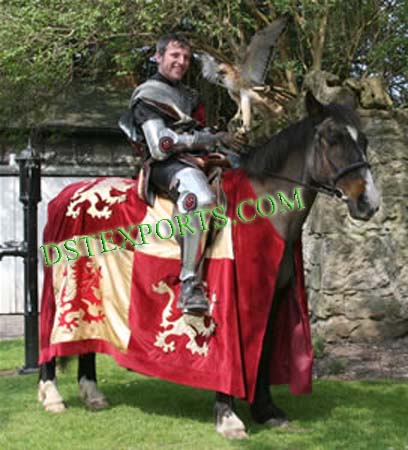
(192, 298)
(194, 197)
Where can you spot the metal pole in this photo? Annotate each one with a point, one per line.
(30, 195)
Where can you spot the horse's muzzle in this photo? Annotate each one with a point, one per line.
(362, 209)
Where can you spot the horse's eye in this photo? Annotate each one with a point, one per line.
(333, 139)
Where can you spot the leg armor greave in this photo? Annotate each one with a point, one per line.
(194, 195)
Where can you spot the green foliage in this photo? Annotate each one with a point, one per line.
(318, 346)
(45, 45)
(336, 366)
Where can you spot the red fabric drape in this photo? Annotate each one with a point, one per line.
(241, 291)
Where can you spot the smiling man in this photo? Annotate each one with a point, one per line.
(163, 109)
(174, 61)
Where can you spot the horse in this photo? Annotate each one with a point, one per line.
(325, 152)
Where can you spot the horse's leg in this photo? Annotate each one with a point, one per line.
(227, 423)
(88, 390)
(263, 409)
(48, 393)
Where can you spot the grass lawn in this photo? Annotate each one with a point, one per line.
(152, 414)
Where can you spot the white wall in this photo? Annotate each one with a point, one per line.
(11, 228)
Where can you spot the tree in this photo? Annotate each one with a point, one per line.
(45, 45)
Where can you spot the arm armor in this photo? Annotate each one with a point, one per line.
(163, 141)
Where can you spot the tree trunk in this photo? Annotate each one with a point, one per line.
(319, 38)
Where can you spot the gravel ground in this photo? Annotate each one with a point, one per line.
(371, 361)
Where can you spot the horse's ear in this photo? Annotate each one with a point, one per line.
(350, 102)
(313, 107)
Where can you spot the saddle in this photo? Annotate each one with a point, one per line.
(212, 165)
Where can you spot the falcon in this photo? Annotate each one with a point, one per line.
(245, 81)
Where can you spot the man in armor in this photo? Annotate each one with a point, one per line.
(173, 143)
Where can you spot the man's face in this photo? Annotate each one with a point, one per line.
(175, 61)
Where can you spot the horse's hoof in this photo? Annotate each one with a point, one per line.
(231, 426)
(269, 415)
(55, 407)
(49, 396)
(91, 395)
(275, 422)
(235, 434)
(97, 404)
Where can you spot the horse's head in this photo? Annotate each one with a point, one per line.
(339, 159)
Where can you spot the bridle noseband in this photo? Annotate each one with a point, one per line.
(329, 189)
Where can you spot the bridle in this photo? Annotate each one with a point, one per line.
(330, 188)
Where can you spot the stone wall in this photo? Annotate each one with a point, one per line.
(357, 272)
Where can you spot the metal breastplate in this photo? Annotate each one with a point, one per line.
(184, 98)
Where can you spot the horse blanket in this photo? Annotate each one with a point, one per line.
(120, 298)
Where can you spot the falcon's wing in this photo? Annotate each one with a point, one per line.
(210, 68)
(260, 49)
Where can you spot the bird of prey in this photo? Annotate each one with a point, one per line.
(245, 81)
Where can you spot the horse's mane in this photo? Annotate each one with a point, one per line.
(272, 154)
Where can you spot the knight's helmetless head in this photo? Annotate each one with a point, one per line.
(173, 55)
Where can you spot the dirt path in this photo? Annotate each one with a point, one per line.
(348, 361)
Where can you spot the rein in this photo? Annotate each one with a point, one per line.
(330, 190)
(320, 188)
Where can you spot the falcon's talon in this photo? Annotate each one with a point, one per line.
(264, 89)
(243, 130)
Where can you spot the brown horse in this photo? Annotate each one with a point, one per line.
(325, 152)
